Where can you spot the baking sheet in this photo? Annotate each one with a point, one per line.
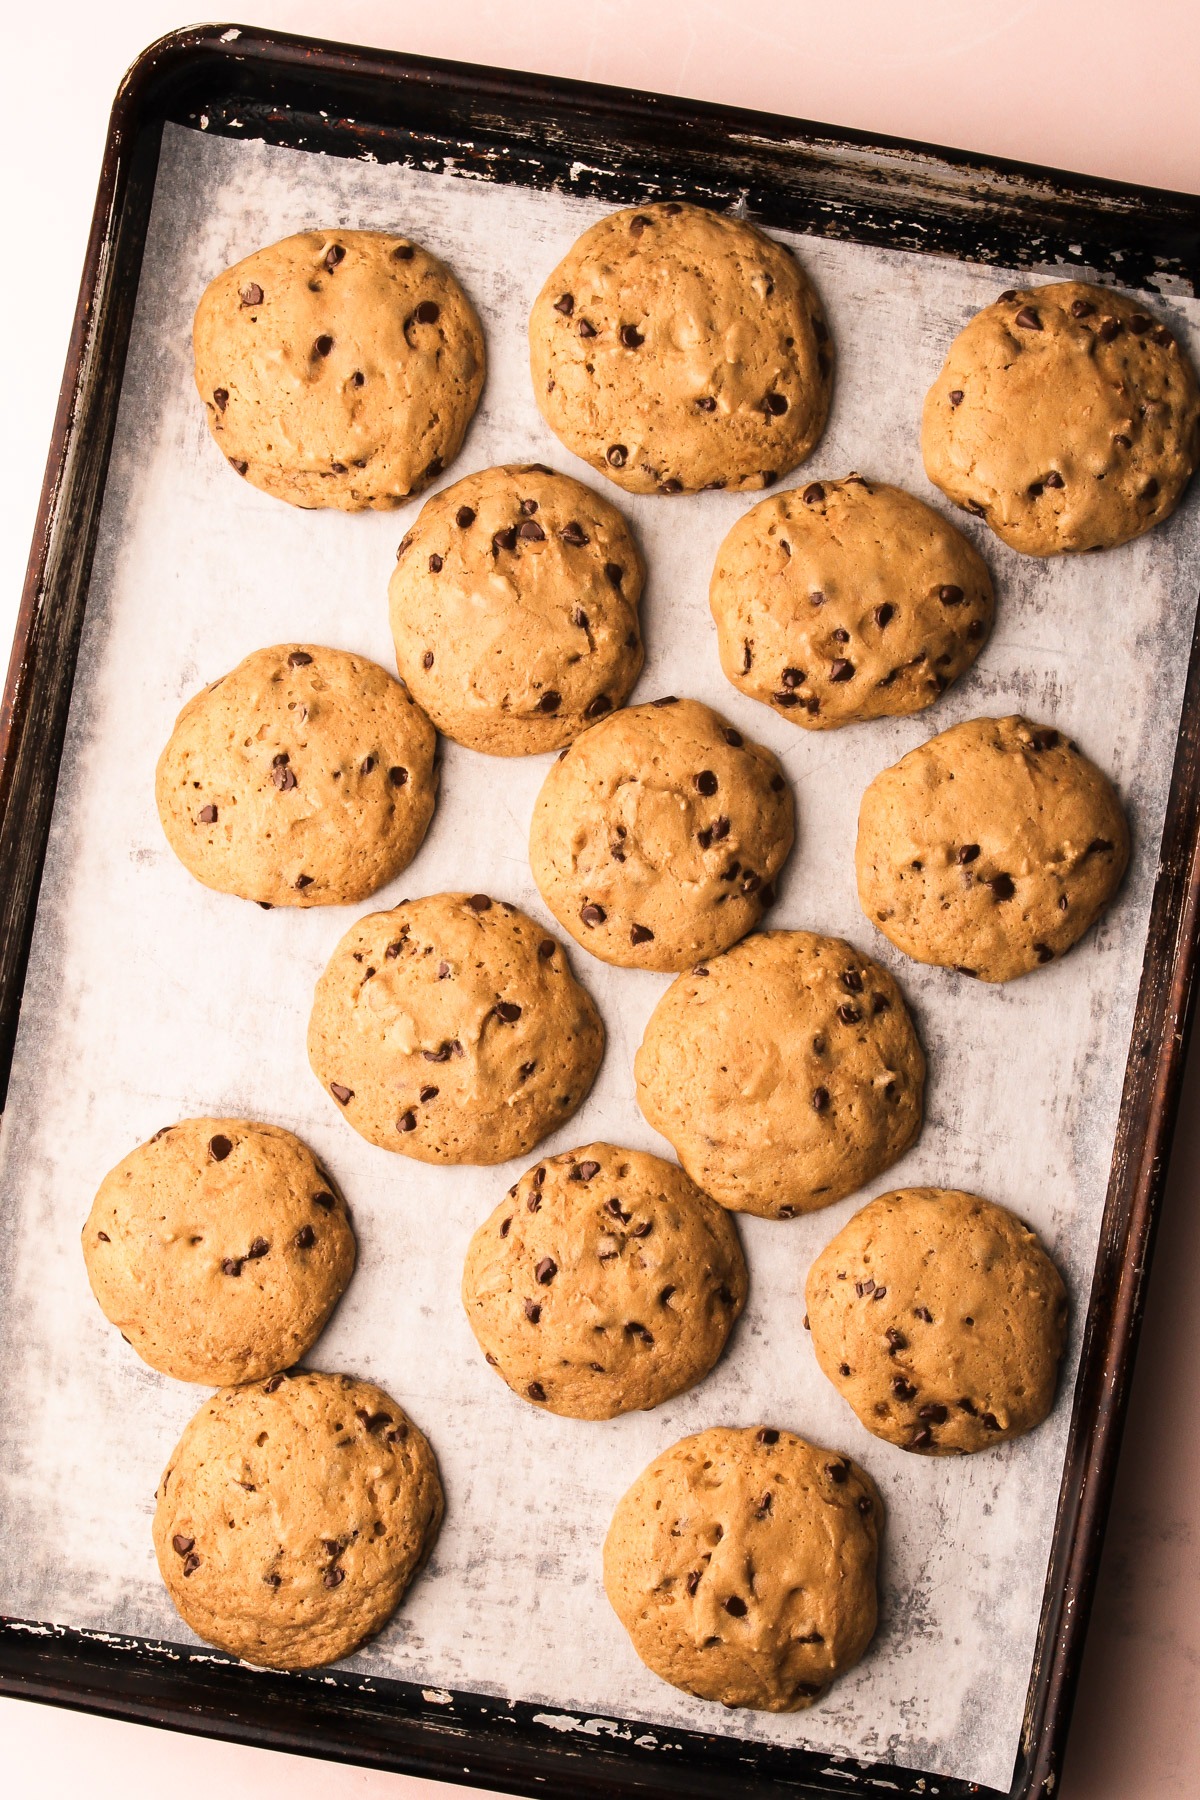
(149, 998)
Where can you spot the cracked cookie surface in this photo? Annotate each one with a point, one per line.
(293, 1515)
(338, 368)
(940, 1319)
(990, 849)
(742, 1563)
(1067, 416)
(676, 349)
(218, 1249)
(604, 1282)
(451, 1029)
(785, 1073)
(657, 837)
(304, 777)
(514, 609)
(841, 601)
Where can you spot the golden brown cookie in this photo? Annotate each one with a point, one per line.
(451, 1029)
(940, 1319)
(338, 368)
(1066, 416)
(218, 1250)
(514, 605)
(847, 600)
(785, 1073)
(604, 1282)
(292, 1516)
(304, 777)
(742, 1563)
(657, 837)
(676, 349)
(990, 849)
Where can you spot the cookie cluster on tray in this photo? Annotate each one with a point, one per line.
(675, 350)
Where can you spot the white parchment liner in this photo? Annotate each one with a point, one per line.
(149, 998)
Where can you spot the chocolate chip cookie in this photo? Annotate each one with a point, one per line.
(514, 606)
(847, 600)
(451, 1029)
(940, 1319)
(218, 1250)
(604, 1282)
(990, 849)
(676, 349)
(742, 1563)
(293, 1515)
(1067, 416)
(785, 1073)
(657, 837)
(304, 777)
(338, 368)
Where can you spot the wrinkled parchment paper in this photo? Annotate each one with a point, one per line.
(150, 998)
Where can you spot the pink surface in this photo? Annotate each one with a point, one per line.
(1084, 84)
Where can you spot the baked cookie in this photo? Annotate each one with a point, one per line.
(218, 1250)
(1066, 416)
(451, 1029)
(338, 368)
(292, 1516)
(304, 777)
(847, 600)
(990, 849)
(604, 1282)
(941, 1319)
(657, 837)
(785, 1073)
(742, 1563)
(514, 606)
(676, 349)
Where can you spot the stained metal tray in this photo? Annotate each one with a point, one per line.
(621, 147)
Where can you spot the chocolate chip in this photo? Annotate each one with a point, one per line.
(219, 1147)
(921, 1441)
(706, 403)
(536, 1391)
(550, 701)
(1149, 490)
(259, 1247)
(585, 1171)
(923, 1312)
(638, 224)
(546, 1270)
(1125, 443)
(1097, 847)
(323, 345)
(427, 312)
(427, 660)
(614, 574)
(531, 532)
(1043, 737)
(1139, 324)
(852, 981)
(592, 914)
(768, 1435)
(479, 903)
(775, 405)
(305, 1238)
(631, 337)
(1109, 329)
(956, 396)
(840, 669)
(281, 775)
(813, 492)
(546, 949)
(239, 465)
(325, 1201)
(407, 1121)
(508, 1010)
(820, 1099)
(735, 1606)
(693, 1581)
(427, 1094)
(617, 455)
(1082, 309)
(903, 1390)
(252, 294)
(705, 782)
(504, 540)
(191, 1564)
(967, 853)
(533, 1311)
(435, 564)
(342, 1094)
(573, 533)
(303, 881)
(231, 1265)
(182, 1545)
(1002, 886)
(208, 815)
(849, 1015)
(565, 304)
(990, 1422)
(896, 1340)
(1053, 479)
(1029, 318)
(934, 1412)
(640, 934)
(666, 700)
(597, 707)
(397, 776)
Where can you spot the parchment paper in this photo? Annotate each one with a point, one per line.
(150, 998)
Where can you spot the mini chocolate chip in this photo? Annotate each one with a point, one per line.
(592, 914)
(282, 776)
(840, 669)
(546, 1270)
(813, 493)
(298, 658)
(950, 594)
(597, 707)
(573, 533)
(640, 934)
(1043, 737)
(359, 380)
(550, 701)
(617, 455)
(427, 1094)
(1029, 318)
(464, 516)
(693, 1581)
(208, 815)
(340, 1093)
(258, 1248)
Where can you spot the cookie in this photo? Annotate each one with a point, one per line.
(657, 837)
(218, 1250)
(292, 1516)
(514, 606)
(676, 349)
(990, 849)
(785, 1073)
(451, 1029)
(604, 1282)
(1066, 416)
(847, 600)
(742, 1563)
(304, 777)
(338, 368)
(940, 1319)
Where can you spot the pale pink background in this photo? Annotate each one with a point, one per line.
(1106, 86)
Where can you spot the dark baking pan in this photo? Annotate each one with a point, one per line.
(621, 147)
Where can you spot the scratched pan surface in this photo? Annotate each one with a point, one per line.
(542, 158)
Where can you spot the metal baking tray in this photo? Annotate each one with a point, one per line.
(619, 147)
